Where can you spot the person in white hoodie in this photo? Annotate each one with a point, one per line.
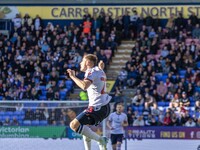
(190, 123)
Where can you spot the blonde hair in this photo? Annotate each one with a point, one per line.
(92, 58)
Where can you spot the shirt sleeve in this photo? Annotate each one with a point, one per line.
(90, 75)
(110, 117)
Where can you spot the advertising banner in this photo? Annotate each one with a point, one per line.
(77, 12)
(109, 85)
(32, 132)
(163, 133)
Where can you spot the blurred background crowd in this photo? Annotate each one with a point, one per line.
(163, 67)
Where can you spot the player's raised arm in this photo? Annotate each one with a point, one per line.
(83, 84)
(101, 65)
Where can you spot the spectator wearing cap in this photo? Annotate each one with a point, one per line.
(184, 102)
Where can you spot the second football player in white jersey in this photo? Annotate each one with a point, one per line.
(116, 122)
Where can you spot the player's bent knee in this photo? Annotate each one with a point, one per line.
(74, 125)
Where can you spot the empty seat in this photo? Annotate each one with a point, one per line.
(2, 113)
(167, 103)
(68, 83)
(8, 113)
(35, 122)
(163, 78)
(161, 104)
(140, 108)
(1, 97)
(5, 117)
(27, 122)
(182, 72)
(17, 113)
(42, 88)
(43, 122)
(198, 65)
(42, 98)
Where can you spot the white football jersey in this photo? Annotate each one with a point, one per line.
(116, 122)
(97, 90)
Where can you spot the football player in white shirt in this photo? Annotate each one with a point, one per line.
(116, 122)
(99, 108)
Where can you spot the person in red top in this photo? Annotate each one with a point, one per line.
(87, 26)
(167, 119)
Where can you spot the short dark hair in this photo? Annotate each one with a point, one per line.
(92, 58)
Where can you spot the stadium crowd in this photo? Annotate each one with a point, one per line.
(163, 66)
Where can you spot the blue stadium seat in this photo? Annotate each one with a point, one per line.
(47, 77)
(198, 65)
(43, 122)
(192, 104)
(17, 113)
(5, 117)
(11, 117)
(140, 108)
(197, 114)
(182, 72)
(197, 89)
(42, 98)
(69, 83)
(35, 122)
(20, 122)
(167, 104)
(21, 117)
(63, 93)
(158, 78)
(134, 108)
(42, 88)
(27, 122)
(2, 113)
(22, 113)
(163, 78)
(8, 113)
(1, 98)
(62, 77)
(161, 104)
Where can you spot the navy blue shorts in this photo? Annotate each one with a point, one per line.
(90, 116)
(116, 138)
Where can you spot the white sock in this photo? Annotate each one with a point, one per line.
(90, 134)
(87, 142)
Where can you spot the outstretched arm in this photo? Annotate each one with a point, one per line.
(83, 84)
